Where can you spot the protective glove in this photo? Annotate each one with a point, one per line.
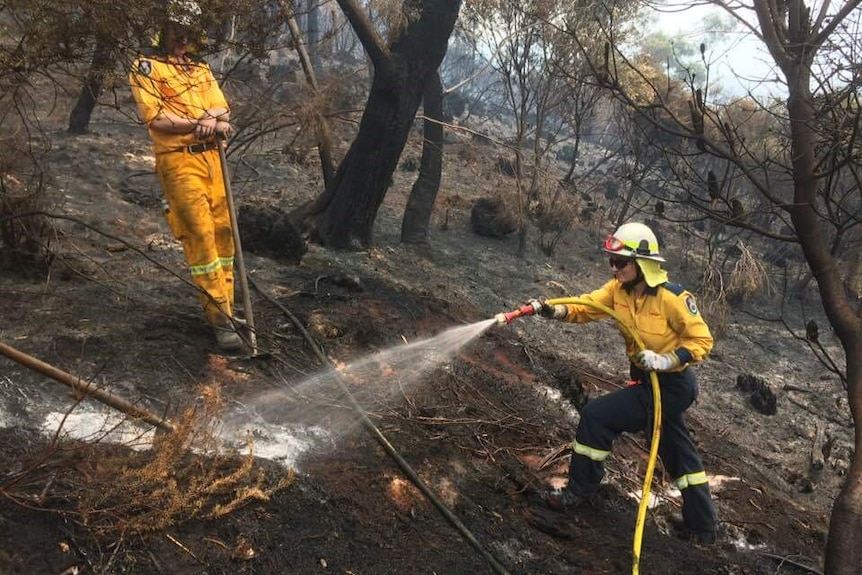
(652, 361)
(558, 311)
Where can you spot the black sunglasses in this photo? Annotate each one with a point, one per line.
(619, 264)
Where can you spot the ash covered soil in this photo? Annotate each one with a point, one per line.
(484, 429)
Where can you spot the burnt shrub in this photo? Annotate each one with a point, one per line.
(761, 397)
(492, 218)
(25, 231)
(268, 231)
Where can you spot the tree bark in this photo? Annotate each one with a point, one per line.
(420, 204)
(574, 162)
(843, 554)
(844, 544)
(102, 62)
(343, 216)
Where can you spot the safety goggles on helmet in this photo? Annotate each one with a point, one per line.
(613, 243)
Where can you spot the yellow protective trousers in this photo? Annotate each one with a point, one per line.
(198, 216)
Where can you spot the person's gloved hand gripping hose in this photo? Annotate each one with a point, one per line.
(652, 361)
(558, 311)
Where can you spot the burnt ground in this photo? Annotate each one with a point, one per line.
(483, 430)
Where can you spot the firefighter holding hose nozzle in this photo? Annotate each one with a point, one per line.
(675, 336)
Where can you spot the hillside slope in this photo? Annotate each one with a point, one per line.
(480, 421)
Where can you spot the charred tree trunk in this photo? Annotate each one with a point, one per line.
(573, 163)
(343, 216)
(843, 554)
(420, 204)
(101, 64)
(844, 543)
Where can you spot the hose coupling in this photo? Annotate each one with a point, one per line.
(527, 309)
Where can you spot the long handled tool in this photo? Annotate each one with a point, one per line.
(238, 258)
(85, 388)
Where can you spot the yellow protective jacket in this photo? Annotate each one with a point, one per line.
(665, 317)
(187, 89)
(193, 182)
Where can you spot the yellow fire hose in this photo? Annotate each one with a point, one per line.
(656, 427)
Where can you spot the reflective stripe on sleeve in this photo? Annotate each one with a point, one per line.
(586, 451)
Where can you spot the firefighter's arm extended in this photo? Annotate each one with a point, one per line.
(580, 313)
(575, 313)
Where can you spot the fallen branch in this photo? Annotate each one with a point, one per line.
(792, 562)
(555, 454)
(828, 417)
(179, 544)
(85, 388)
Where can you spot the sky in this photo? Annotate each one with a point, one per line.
(740, 63)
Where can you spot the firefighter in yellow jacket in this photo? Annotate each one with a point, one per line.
(675, 336)
(185, 111)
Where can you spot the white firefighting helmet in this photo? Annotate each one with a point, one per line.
(634, 240)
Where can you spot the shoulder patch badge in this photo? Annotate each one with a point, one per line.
(145, 67)
(690, 304)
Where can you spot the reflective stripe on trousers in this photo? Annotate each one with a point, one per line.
(691, 479)
(585, 450)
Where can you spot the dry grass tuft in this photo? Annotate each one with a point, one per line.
(712, 299)
(747, 278)
(554, 214)
(187, 475)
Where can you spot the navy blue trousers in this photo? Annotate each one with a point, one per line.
(604, 418)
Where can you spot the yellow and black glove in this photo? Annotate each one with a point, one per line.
(558, 311)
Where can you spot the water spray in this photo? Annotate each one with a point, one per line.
(532, 308)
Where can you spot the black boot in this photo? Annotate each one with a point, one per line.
(561, 499)
(683, 531)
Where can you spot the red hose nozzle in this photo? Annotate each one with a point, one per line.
(507, 317)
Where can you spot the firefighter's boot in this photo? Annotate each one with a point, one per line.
(562, 499)
(226, 336)
(677, 522)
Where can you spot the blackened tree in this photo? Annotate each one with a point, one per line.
(343, 215)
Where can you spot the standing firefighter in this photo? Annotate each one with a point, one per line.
(185, 111)
(666, 318)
